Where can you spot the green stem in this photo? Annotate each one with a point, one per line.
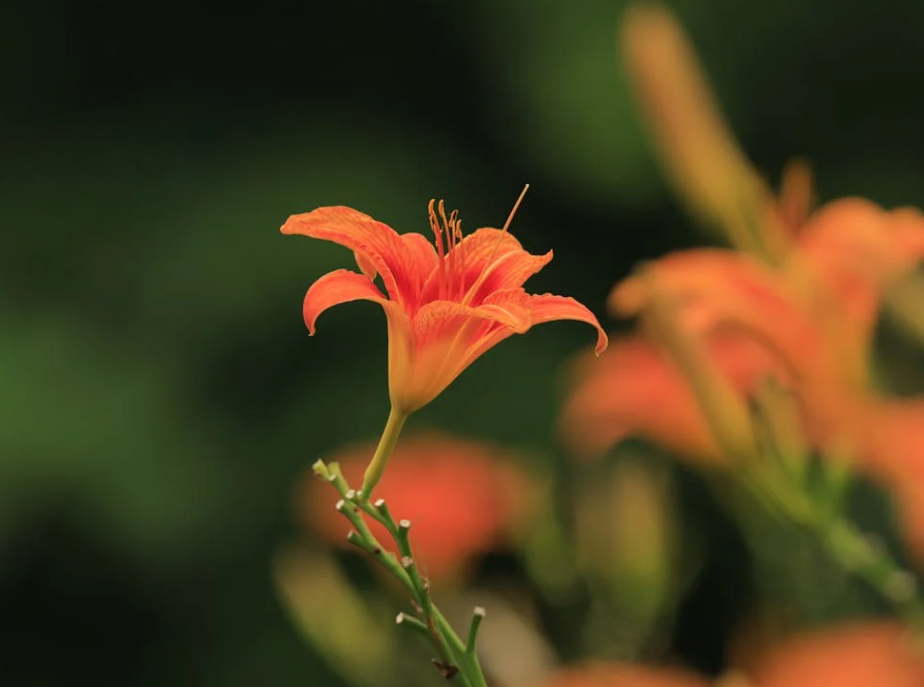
(855, 553)
(847, 545)
(466, 661)
(452, 651)
(383, 451)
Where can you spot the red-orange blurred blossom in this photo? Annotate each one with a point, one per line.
(462, 497)
(808, 291)
(860, 654)
(808, 321)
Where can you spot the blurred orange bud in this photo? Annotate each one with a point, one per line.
(724, 290)
(854, 655)
(461, 498)
(700, 155)
(797, 195)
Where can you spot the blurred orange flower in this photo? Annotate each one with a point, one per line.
(461, 496)
(634, 389)
(860, 654)
(808, 321)
(816, 313)
(445, 306)
(810, 296)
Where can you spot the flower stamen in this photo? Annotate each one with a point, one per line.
(451, 261)
(489, 263)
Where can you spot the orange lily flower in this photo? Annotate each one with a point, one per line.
(445, 306)
(461, 496)
(815, 313)
(809, 322)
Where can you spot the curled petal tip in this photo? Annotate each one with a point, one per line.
(603, 341)
(288, 227)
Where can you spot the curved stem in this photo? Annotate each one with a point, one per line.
(383, 451)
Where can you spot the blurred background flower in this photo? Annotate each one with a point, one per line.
(461, 497)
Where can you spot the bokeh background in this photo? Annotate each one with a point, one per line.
(160, 394)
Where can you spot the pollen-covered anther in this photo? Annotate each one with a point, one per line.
(447, 232)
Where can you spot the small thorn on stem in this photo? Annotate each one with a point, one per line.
(447, 670)
(410, 621)
(340, 505)
(379, 503)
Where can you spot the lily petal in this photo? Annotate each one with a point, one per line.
(549, 308)
(855, 654)
(428, 351)
(721, 289)
(334, 288)
(634, 389)
(403, 262)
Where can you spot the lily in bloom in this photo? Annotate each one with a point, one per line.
(446, 303)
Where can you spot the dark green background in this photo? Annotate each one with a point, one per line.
(160, 395)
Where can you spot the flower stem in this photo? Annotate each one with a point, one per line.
(383, 451)
(456, 659)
